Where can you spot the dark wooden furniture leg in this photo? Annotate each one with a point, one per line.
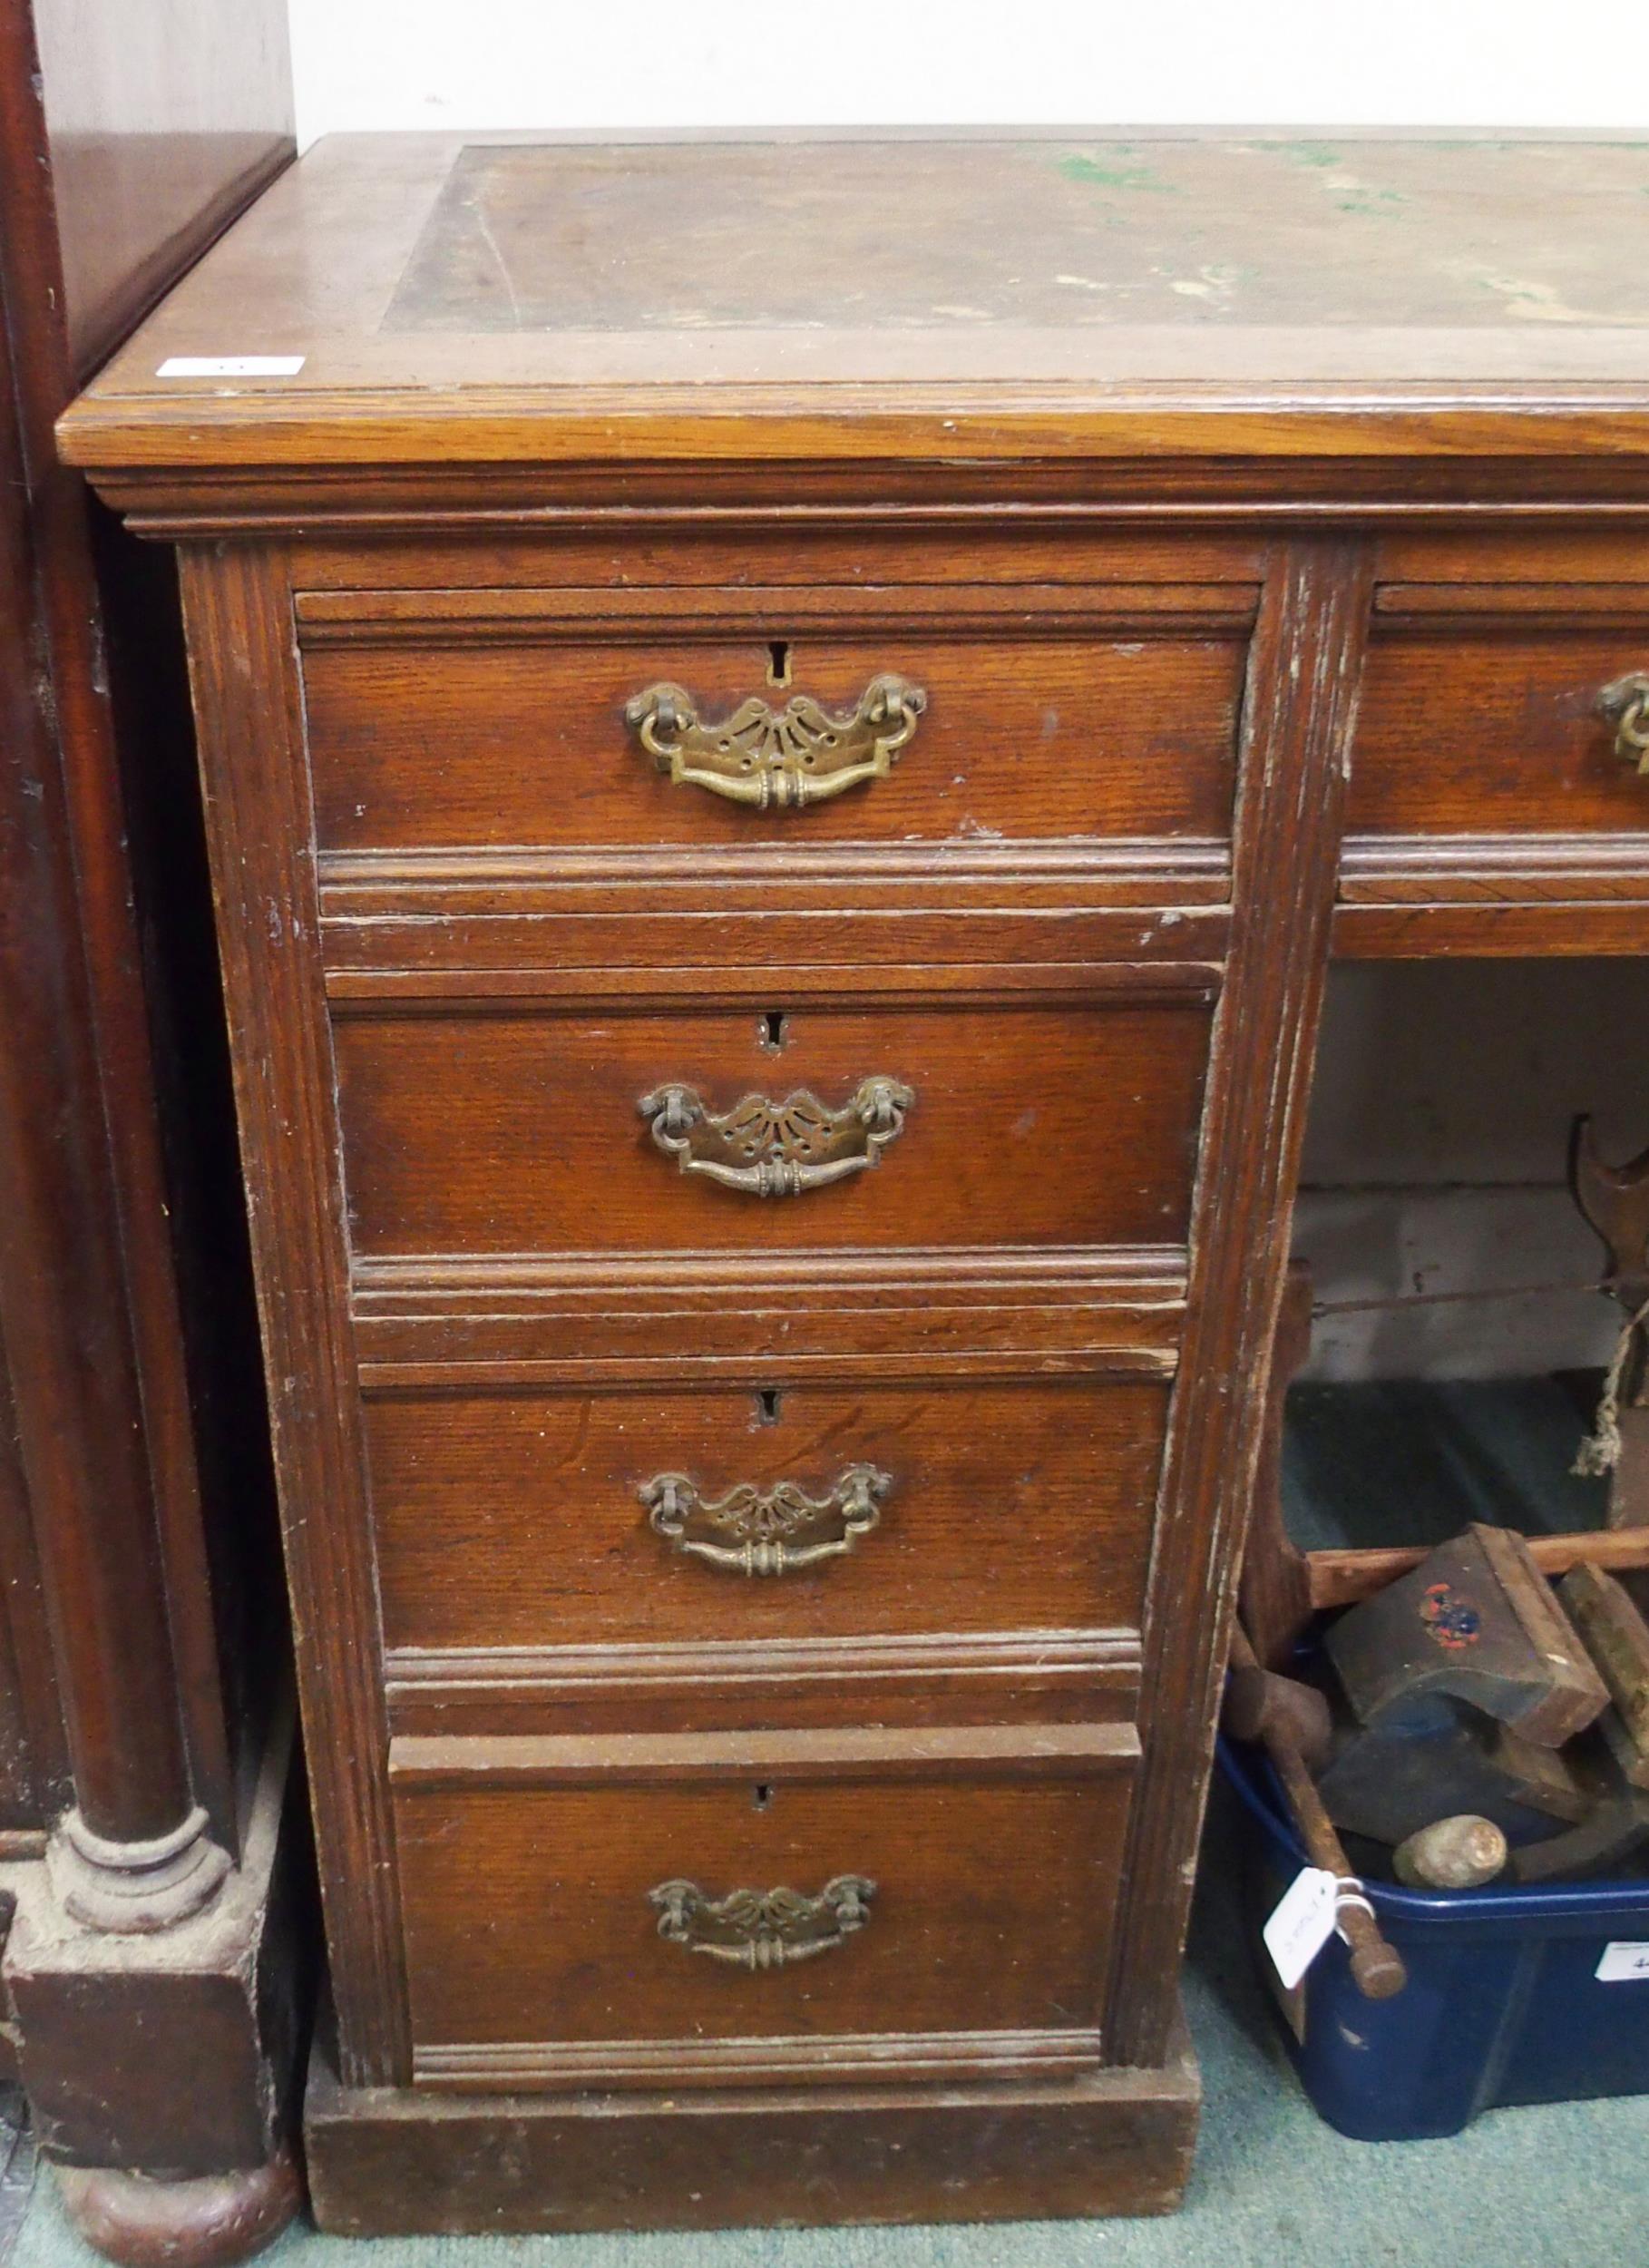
(149, 1964)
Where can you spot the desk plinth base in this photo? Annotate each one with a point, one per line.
(400, 2162)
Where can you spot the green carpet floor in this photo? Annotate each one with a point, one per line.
(1274, 2187)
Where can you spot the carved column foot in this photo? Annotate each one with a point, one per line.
(215, 2218)
(172, 2051)
(135, 1888)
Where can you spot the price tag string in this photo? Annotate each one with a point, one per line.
(1349, 1890)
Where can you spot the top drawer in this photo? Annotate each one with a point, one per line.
(1494, 711)
(494, 719)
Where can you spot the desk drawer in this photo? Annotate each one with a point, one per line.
(1019, 1120)
(684, 1515)
(680, 1910)
(1483, 712)
(499, 719)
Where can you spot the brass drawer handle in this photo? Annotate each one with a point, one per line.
(1625, 704)
(763, 1929)
(770, 1531)
(778, 758)
(777, 1148)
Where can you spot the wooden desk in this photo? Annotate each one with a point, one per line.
(786, 726)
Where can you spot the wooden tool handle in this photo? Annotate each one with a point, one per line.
(1376, 1968)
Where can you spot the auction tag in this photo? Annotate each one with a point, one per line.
(231, 366)
(1621, 1960)
(1302, 1923)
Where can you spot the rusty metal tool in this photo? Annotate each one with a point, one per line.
(1277, 1720)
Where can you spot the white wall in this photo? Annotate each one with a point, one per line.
(1436, 1159)
(365, 64)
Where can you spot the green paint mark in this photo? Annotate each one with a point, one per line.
(1374, 205)
(1094, 175)
(1315, 153)
(1373, 202)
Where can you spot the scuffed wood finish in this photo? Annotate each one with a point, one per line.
(1274, 1601)
(914, 1678)
(147, 2223)
(497, 718)
(1481, 715)
(258, 820)
(404, 2163)
(1367, 316)
(1034, 1122)
(516, 1520)
(1296, 739)
(994, 1865)
(1041, 471)
(1491, 811)
(461, 1323)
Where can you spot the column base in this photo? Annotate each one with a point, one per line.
(133, 1888)
(168, 2054)
(204, 2223)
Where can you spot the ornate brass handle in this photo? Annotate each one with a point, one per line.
(777, 1148)
(771, 1532)
(783, 757)
(763, 1929)
(1625, 704)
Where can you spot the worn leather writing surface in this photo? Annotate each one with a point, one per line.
(518, 300)
(950, 235)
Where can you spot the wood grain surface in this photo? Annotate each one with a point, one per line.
(1480, 717)
(1347, 298)
(990, 1911)
(258, 825)
(516, 1520)
(1033, 1124)
(1297, 727)
(1043, 470)
(499, 720)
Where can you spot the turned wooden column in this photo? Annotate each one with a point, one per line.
(82, 1214)
(155, 1992)
(134, 1852)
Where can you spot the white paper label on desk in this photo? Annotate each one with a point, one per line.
(1623, 1960)
(1302, 1923)
(231, 367)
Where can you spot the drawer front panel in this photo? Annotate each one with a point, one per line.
(1474, 722)
(533, 1915)
(519, 1520)
(1048, 716)
(1029, 1122)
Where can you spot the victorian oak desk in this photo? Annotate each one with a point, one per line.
(787, 729)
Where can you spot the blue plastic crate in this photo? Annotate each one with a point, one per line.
(1503, 2004)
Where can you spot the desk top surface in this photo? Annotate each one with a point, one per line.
(489, 297)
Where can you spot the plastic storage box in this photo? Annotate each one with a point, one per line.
(1503, 2004)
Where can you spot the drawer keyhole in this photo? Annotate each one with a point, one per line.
(778, 662)
(763, 1797)
(766, 1406)
(776, 1030)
